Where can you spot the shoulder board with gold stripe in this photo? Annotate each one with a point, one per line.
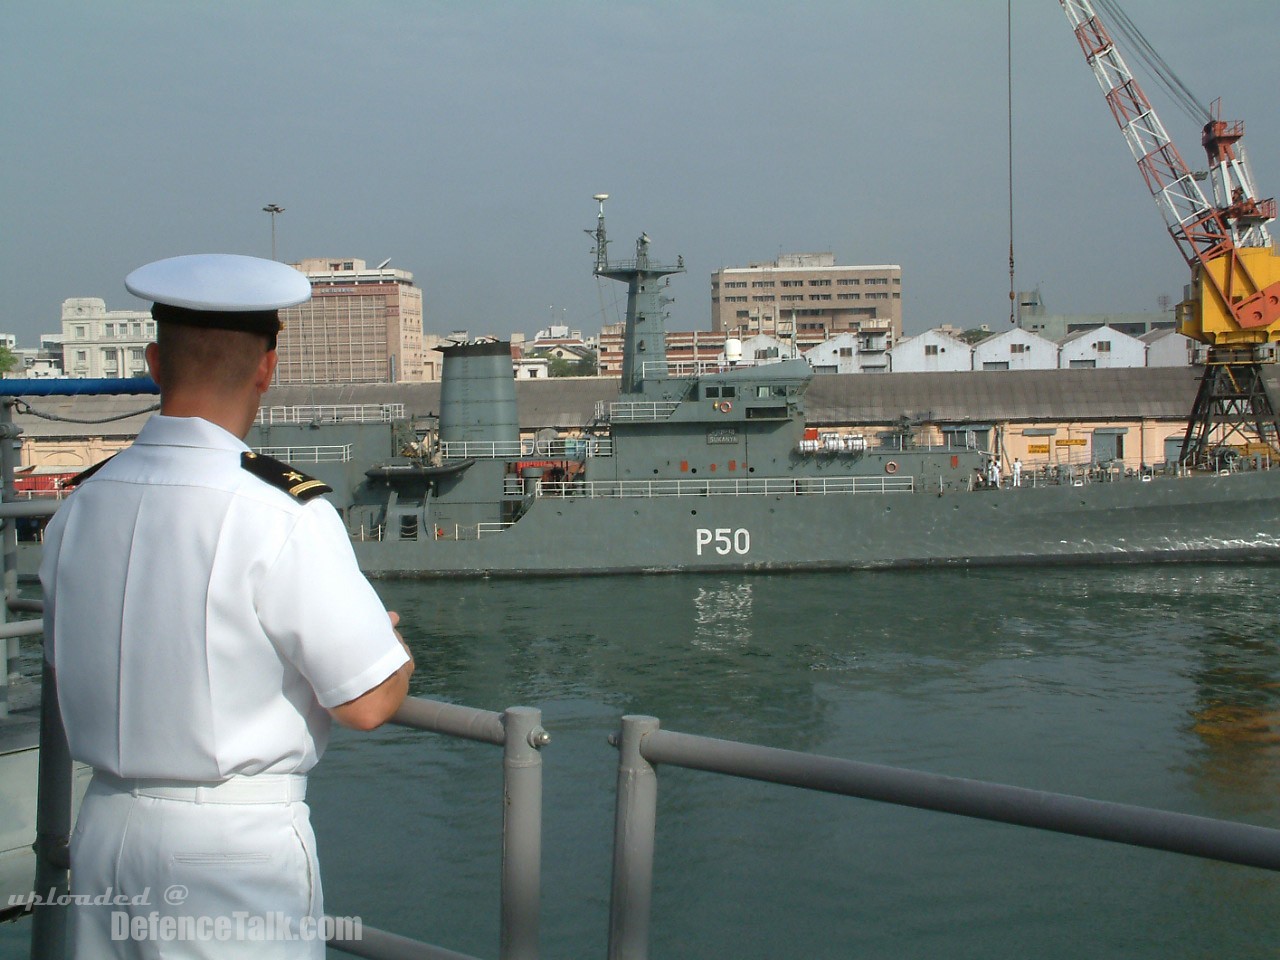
(279, 474)
(86, 474)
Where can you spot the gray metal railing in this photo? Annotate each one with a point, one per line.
(560, 448)
(518, 730)
(11, 631)
(317, 453)
(741, 487)
(642, 745)
(339, 413)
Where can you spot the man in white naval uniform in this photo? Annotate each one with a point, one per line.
(206, 620)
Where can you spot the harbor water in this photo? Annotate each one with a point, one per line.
(1150, 685)
(1156, 685)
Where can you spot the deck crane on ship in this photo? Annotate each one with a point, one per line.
(1233, 302)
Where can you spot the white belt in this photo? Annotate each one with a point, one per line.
(262, 788)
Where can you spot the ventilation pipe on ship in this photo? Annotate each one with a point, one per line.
(478, 394)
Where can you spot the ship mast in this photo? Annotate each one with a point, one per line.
(644, 341)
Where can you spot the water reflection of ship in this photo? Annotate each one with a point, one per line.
(723, 615)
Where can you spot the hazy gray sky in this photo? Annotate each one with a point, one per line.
(464, 141)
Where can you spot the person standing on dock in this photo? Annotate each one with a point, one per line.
(1017, 472)
(207, 621)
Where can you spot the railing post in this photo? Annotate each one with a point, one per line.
(521, 832)
(53, 827)
(9, 540)
(633, 838)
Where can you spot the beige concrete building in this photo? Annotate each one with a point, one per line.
(807, 294)
(97, 342)
(361, 325)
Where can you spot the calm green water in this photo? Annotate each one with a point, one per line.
(1157, 686)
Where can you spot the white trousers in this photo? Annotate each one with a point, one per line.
(184, 872)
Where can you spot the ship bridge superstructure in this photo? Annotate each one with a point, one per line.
(645, 333)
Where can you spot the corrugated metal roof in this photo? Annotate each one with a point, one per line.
(1021, 395)
(832, 399)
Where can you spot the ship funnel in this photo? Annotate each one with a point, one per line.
(478, 393)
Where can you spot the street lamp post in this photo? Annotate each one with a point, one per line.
(273, 209)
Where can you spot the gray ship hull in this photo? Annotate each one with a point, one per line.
(1234, 517)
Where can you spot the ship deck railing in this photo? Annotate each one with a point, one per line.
(409, 530)
(331, 413)
(636, 410)
(320, 453)
(660, 369)
(743, 487)
(657, 369)
(561, 448)
(644, 749)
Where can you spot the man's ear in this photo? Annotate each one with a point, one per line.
(266, 371)
(153, 362)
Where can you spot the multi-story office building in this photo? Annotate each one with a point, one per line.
(808, 295)
(97, 342)
(361, 325)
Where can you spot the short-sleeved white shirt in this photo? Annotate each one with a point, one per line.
(201, 620)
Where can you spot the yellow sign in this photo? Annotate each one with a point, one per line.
(1073, 442)
(1037, 448)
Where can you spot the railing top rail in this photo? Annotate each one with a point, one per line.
(567, 448)
(642, 409)
(1211, 839)
(455, 720)
(352, 412)
(28, 508)
(739, 487)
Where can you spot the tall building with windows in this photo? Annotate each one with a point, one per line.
(97, 342)
(807, 295)
(361, 325)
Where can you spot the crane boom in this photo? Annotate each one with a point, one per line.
(1236, 275)
(1234, 297)
(1190, 217)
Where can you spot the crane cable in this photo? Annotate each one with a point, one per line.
(1156, 67)
(1013, 298)
(1159, 70)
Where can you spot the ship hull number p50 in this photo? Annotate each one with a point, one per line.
(723, 540)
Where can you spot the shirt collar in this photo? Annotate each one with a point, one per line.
(188, 432)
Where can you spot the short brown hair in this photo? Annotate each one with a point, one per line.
(220, 358)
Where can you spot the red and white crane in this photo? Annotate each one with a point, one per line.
(1235, 293)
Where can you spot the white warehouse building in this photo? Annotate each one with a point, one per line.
(862, 352)
(931, 351)
(1102, 347)
(1015, 349)
(1168, 348)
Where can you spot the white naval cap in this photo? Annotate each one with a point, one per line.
(219, 283)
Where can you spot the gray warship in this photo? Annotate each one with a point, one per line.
(715, 469)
